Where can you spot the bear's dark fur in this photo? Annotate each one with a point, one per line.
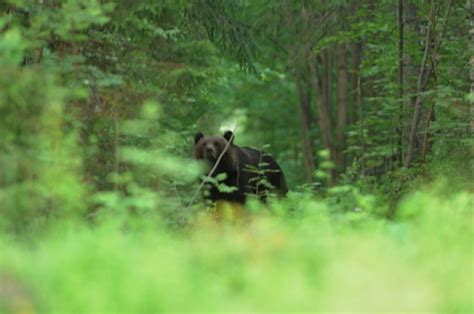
(248, 170)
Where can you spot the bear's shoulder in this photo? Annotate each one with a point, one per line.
(249, 152)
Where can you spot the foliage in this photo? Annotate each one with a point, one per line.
(314, 262)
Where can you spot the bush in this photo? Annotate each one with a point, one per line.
(315, 262)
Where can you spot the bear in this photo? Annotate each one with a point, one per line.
(247, 170)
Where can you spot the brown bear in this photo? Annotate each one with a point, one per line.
(247, 170)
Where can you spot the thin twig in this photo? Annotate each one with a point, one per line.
(361, 129)
(213, 168)
(175, 153)
(116, 142)
(400, 81)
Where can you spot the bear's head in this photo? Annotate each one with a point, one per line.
(209, 148)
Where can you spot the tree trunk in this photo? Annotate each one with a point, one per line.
(356, 61)
(356, 54)
(39, 50)
(323, 113)
(303, 105)
(306, 92)
(471, 74)
(327, 99)
(411, 32)
(324, 117)
(304, 98)
(342, 106)
(361, 129)
(400, 83)
(434, 63)
(421, 79)
(326, 79)
(426, 144)
(116, 142)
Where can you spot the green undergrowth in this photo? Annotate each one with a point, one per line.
(275, 259)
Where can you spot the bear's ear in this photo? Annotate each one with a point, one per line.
(229, 136)
(197, 137)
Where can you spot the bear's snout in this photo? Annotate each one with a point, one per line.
(210, 153)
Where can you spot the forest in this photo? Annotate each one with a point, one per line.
(366, 105)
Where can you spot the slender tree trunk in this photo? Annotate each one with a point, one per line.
(306, 92)
(400, 83)
(434, 63)
(342, 106)
(324, 117)
(39, 50)
(326, 80)
(361, 129)
(421, 79)
(471, 74)
(356, 61)
(411, 32)
(116, 143)
(303, 99)
(327, 100)
(303, 105)
(429, 118)
(323, 113)
(356, 50)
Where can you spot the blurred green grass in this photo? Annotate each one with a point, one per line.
(420, 262)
